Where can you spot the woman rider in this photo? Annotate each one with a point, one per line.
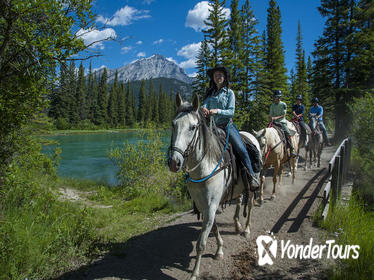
(219, 102)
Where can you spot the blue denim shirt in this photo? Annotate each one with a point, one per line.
(224, 101)
(318, 110)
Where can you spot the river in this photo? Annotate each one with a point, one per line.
(85, 156)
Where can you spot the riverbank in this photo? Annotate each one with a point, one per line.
(98, 131)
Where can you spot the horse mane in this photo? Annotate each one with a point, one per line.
(212, 147)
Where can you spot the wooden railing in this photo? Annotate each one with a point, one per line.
(338, 168)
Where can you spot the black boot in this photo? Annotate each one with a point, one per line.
(254, 184)
(292, 152)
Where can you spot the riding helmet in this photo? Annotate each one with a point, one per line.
(299, 97)
(221, 68)
(315, 100)
(277, 93)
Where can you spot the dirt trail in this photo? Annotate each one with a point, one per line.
(169, 251)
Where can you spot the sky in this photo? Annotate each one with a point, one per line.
(173, 28)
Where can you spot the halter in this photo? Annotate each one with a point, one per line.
(190, 147)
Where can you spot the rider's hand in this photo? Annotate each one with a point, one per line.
(213, 111)
(205, 111)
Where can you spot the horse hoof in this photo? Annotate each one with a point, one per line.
(257, 203)
(218, 257)
(238, 229)
(273, 196)
(193, 278)
(247, 235)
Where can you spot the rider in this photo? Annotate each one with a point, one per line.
(317, 110)
(278, 111)
(219, 102)
(298, 112)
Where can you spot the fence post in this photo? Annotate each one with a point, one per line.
(335, 182)
(342, 167)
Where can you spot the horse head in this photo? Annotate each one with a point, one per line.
(260, 136)
(185, 132)
(313, 122)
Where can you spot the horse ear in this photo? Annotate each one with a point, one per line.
(263, 133)
(195, 102)
(254, 132)
(178, 99)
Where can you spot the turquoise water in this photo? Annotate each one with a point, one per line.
(85, 156)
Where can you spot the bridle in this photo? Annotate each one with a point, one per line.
(190, 148)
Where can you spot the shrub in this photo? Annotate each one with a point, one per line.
(39, 235)
(142, 169)
(62, 124)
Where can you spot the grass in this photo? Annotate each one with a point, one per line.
(42, 236)
(353, 225)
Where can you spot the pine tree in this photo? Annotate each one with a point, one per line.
(89, 94)
(102, 100)
(142, 104)
(215, 32)
(81, 94)
(335, 50)
(149, 102)
(233, 41)
(113, 103)
(202, 64)
(121, 105)
(130, 115)
(249, 52)
(60, 102)
(275, 66)
(362, 64)
(72, 93)
(301, 85)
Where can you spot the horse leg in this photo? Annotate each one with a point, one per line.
(276, 171)
(247, 231)
(262, 184)
(306, 159)
(294, 164)
(238, 226)
(219, 252)
(208, 221)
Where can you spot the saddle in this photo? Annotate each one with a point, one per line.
(231, 155)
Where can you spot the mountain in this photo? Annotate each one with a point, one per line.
(156, 66)
(170, 86)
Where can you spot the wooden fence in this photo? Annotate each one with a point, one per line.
(338, 168)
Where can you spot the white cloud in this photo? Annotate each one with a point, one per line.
(191, 63)
(148, 1)
(126, 49)
(94, 35)
(139, 42)
(158, 42)
(172, 60)
(124, 16)
(196, 16)
(141, 54)
(189, 52)
(96, 69)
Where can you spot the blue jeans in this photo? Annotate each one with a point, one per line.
(239, 147)
(322, 126)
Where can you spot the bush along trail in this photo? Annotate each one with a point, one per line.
(51, 225)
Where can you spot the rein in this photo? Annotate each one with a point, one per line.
(188, 178)
(271, 149)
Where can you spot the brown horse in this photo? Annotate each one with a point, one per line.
(275, 154)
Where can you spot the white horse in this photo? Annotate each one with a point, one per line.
(316, 142)
(195, 148)
(274, 154)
